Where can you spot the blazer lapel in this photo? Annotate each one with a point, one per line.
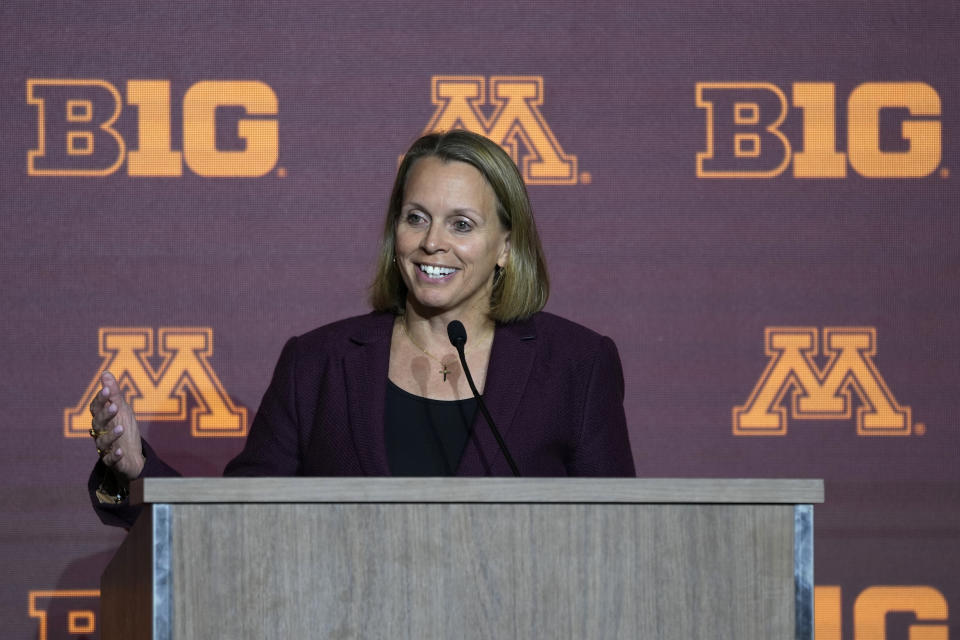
(366, 367)
(511, 361)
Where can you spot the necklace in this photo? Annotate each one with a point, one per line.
(445, 370)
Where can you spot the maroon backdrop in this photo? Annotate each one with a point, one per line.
(757, 201)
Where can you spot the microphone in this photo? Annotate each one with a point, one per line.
(457, 334)
(458, 338)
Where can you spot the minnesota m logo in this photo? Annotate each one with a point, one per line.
(515, 121)
(821, 394)
(161, 394)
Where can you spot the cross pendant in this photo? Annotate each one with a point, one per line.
(444, 371)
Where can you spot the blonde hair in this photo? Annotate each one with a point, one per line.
(521, 288)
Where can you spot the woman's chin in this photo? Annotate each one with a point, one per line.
(433, 303)
(430, 307)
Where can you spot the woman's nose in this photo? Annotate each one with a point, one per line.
(433, 240)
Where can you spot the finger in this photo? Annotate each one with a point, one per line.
(113, 391)
(99, 400)
(111, 458)
(107, 439)
(111, 385)
(102, 418)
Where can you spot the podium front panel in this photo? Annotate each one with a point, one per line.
(483, 571)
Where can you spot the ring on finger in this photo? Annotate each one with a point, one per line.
(102, 452)
(96, 434)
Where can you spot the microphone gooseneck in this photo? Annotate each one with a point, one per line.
(458, 338)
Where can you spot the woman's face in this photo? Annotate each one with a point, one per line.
(449, 238)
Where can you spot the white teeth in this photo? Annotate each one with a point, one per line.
(436, 272)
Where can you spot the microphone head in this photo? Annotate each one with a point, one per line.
(457, 334)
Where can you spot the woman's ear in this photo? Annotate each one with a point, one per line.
(504, 256)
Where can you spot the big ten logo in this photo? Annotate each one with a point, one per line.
(79, 133)
(821, 393)
(514, 122)
(161, 393)
(875, 609)
(891, 130)
(65, 613)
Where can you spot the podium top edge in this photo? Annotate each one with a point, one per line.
(477, 490)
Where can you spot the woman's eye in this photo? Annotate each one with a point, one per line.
(413, 218)
(462, 225)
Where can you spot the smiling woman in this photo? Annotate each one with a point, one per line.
(384, 393)
(523, 287)
(449, 242)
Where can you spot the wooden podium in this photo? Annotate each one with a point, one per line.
(437, 558)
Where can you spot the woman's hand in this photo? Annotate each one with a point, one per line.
(115, 431)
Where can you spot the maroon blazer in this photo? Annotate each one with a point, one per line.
(554, 389)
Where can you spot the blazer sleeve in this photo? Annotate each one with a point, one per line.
(125, 514)
(603, 446)
(273, 445)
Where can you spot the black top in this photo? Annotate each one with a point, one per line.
(425, 437)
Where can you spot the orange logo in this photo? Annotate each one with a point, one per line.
(872, 606)
(744, 137)
(515, 122)
(76, 135)
(61, 613)
(821, 394)
(161, 394)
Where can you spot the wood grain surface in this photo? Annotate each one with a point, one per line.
(484, 571)
(536, 490)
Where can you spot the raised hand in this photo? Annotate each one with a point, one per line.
(115, 431)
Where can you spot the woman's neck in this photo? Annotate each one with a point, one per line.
(431, 330)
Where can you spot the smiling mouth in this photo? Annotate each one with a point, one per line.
(435, 272)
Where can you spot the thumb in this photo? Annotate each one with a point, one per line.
(110, 383)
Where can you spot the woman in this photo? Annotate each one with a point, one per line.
(384, 393)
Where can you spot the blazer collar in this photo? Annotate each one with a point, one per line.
(511, 361)
(367, 366)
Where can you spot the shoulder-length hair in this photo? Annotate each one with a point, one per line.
(521, 288)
